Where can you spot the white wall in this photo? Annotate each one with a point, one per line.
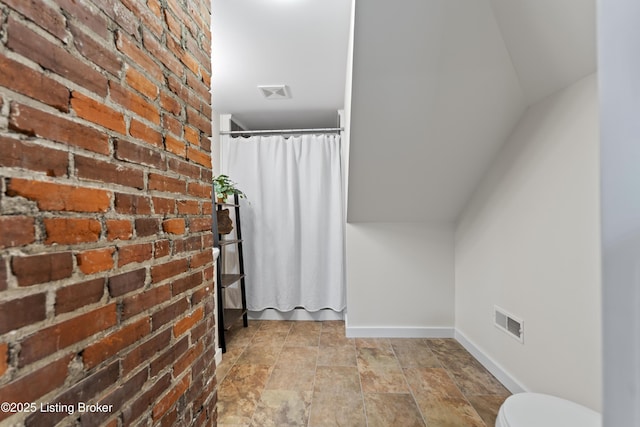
(400, 279)
(528, 242)
(619, 64)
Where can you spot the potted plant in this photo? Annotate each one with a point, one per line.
(224, 187)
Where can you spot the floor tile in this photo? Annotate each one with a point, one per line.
(284, 373)
(384, 410)
(383, 380)
(376, 357)
(288, 379)
(337, 356)
(487, 407)
(414, 353)
(337, 410)
(282, 408)
(337, 379)
(298, 357)
(260, 355)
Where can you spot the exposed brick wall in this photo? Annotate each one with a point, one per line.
(106, 272)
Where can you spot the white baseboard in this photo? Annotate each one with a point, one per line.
(492, 366)
(297, 314)
(399, 332)
(218, 356)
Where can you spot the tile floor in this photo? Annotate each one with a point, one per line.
(279, 373)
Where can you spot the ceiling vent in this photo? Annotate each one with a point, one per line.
(504, 321)
(275, 92)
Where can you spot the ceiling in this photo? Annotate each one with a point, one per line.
(298, 43)
(437, 93)
(437, 85)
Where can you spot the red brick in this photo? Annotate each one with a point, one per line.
(33, 157)
(199, 224)
(169, 103)
(189, 207)
(87, 15)
(170, 398)
(135, 153)
(197, 84)
(20, 312)
(52, 57)
(116, 10)
(165, 183)
(61, 335)
(188, 322)
(201, 259)
(175, 146)
(82, 391)
(126, 282)
(164, 206)
(32, 121)
(97, 112)
(141, 83)
(116, 173)
(4, 358)
(134, 103)
(173, 125)
(149, 20)
(43, 15)
(3, 274)
(134, 253)
(16, 231)
(192, 135)
(183, 16)
(198, 296)
(70, 231)
(33, 84)
(117, 398)
(30, 270)
(119, 229)
(207, 208)
(200, 190)
(138, 303)
(57, 197)
(174, 226)
(173, 23)
(95, 51)
(141, 131)
(138, 56)
(113, 343)
(172, 268)
(180, 286)
(142, 403)
(132, 204)
(187, 359)
(94, 261)
(146, 350)
(199, 157)
(167, 358)
(146, 227)
(169, 313)
(162, 248)
(183, 168)
(75, 296)
(163, 55)
(48, 378)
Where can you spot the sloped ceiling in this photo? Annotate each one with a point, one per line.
(437, 87)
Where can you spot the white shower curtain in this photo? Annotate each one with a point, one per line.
(292, 220)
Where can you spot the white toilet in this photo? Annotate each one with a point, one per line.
(541, 410)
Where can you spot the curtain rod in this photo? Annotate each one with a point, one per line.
(256, 132)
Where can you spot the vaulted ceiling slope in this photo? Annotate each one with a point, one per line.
(437, 87)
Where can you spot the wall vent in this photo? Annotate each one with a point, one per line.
(275, 91)
(509, 324)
